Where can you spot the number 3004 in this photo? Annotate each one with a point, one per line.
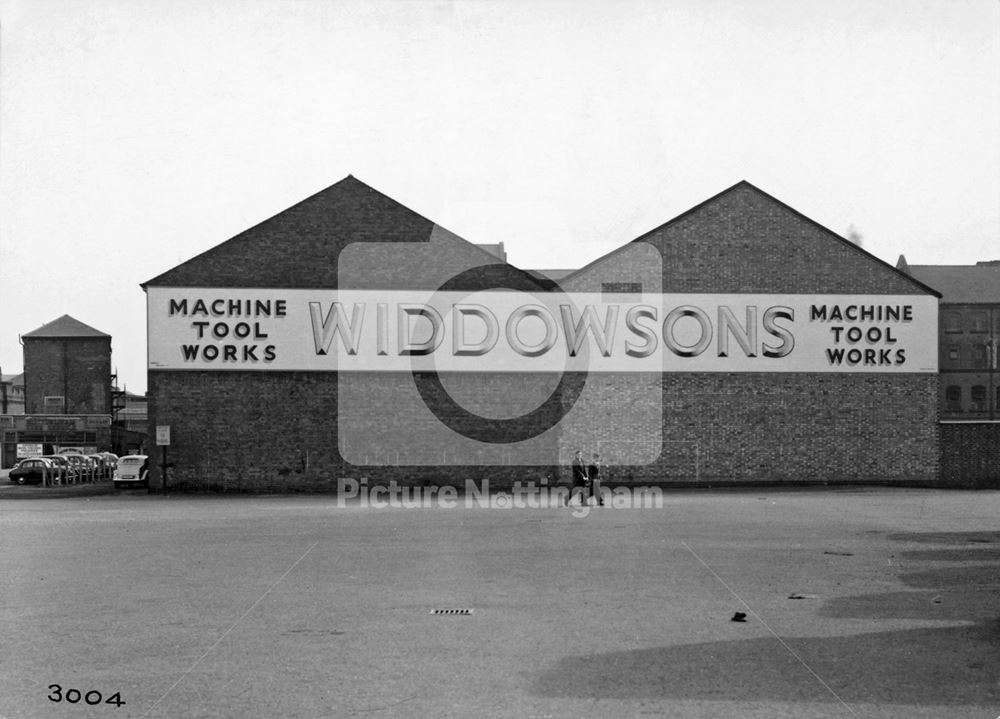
(74, 696)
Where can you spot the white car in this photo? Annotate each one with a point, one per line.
(132, 470)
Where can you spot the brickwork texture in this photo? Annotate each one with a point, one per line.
(78, 369)
(970, 454)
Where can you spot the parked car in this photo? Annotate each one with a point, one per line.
(30, 471)
(132, 470)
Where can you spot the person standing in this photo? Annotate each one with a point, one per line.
(579, 478)
(594, 479)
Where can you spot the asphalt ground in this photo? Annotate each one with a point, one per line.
(865, 602)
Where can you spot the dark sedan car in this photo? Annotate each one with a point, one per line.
(30, 471)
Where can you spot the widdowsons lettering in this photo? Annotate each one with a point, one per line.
(635, 331)
(500, 330)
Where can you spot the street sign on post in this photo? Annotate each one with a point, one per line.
(162, 435)
(163, 440)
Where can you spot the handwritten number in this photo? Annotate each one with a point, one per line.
(73, 696)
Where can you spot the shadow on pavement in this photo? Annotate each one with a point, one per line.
(953, 665)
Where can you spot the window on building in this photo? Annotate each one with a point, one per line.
(979, 355)
(952, 322)
(630, 288)
(953, 398)
(978, 398)
(953, 352)
(978, 322)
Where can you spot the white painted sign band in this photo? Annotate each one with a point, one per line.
(510, 331)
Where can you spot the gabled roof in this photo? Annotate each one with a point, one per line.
(745, 187)
(965, 284)
(300, 246)
(65, 326)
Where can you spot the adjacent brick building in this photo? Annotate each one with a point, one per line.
(752, 345)
(12, 394)
(969, 344)
(67, 391)
(67, 369)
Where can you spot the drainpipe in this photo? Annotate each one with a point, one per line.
(65, 371)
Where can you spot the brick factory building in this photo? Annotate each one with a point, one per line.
(348, 336)
(969, 393)
(67, 392)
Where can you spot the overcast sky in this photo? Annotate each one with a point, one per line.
(136, 134)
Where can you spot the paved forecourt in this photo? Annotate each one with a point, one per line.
(857, 603)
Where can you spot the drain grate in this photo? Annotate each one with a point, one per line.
(451, 611)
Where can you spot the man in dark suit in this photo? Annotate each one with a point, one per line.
(594, 479)
(579, 478)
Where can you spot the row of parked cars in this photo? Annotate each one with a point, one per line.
(70, 467)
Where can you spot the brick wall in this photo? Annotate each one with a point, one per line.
(805, 427)
(245, 431)
(78, 369)
(791, 428)
(279, 431)
(970, 454)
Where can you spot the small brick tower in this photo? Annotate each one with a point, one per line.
(67, 369)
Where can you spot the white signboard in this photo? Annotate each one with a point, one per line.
(511, 331)
(162, 435)
(25, 450)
